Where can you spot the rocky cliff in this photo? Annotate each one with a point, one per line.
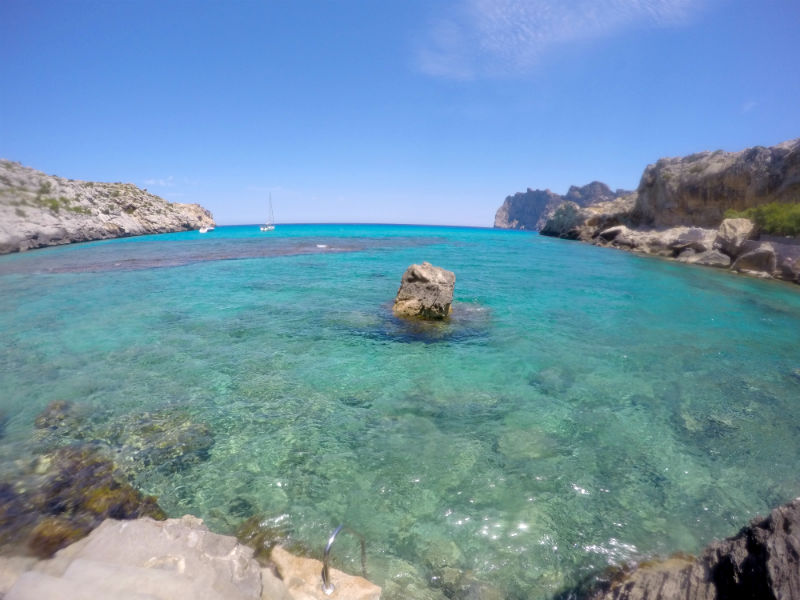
(530, 210)
(760, 562)
(678, 212)
(39, 210)
(698, 189)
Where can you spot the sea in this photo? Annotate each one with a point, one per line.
(582, 408)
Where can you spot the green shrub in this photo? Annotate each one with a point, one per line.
(695, 169)
(774, 218)
(52, 204)
(79, 210)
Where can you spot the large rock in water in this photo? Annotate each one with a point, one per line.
(425, 292)
(762, 561)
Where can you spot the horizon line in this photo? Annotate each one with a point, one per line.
(360, 223)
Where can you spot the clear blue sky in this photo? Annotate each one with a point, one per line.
(409, 111)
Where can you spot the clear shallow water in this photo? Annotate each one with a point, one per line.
(584, 406)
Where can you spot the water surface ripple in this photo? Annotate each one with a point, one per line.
(584, 407)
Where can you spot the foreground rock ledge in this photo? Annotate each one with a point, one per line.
(762, 561)
(176, 559)
(426, 292)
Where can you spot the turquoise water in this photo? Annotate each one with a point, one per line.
(583, 407)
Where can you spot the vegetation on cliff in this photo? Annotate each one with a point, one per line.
(775, 218)
(39, 210)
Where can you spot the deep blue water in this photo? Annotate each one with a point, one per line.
(583, 406)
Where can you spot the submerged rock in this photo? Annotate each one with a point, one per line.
(462, 585)
(168, 439)
(63, 496)
(761, 561)
(425, 292)
(58, 415)
(262, 535)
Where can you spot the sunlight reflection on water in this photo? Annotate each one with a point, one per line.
(581, 407)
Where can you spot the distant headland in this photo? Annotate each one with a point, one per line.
(38, 210)
(530, 210)
(733, 210)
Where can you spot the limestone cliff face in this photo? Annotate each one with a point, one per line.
(523, 210)
(39, 210)
(530, 210)
(570, 221)
(698, 189)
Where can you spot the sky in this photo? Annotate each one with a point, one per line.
(393, 111)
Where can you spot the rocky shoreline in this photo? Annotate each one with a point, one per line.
(678, 212)
(71, 522)
(736, 245)
(173, 559)
(73, 526)
(761, 561)
(38, 210)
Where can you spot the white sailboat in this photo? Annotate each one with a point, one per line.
(270, 224)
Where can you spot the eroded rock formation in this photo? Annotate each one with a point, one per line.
(426, 292)
(38, 210)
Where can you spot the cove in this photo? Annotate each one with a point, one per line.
(583, 407)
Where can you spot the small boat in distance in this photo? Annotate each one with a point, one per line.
(206, 229)
(270, 224)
